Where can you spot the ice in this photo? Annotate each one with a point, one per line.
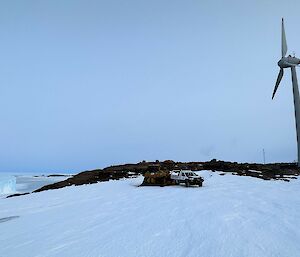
(29, 183)
(7, 184)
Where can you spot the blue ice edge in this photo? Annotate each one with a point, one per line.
(7, 184)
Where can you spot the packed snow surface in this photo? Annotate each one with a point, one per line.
(229, 216)
(7, 184)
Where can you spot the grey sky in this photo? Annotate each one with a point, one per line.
(86, 84)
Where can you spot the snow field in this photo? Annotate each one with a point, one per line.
(229, 216)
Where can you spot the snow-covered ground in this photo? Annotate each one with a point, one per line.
(229, 216)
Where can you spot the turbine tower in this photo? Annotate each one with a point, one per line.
(290, 62)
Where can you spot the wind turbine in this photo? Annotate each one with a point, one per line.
(290, 62)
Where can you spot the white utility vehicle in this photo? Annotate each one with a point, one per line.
(186, 176)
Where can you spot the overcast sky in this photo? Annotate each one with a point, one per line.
(86, 84)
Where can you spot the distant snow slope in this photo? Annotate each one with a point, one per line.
(230, 216)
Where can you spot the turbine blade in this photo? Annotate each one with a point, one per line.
(280, 75)
(283, 40)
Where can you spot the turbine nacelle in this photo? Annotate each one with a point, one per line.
(288, 62)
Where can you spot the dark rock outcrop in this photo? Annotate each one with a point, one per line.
(17, 195)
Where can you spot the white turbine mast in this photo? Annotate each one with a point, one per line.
(290, 62)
